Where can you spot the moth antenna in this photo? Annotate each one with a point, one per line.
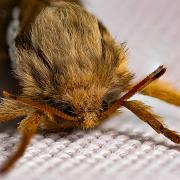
(28, 128)
(42, 107)
(138, 87)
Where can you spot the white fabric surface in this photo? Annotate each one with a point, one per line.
(124, 147)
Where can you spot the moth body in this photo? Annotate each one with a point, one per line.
(72, 74)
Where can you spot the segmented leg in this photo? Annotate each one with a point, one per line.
(28, 128)
(145, 113)
(163, 91)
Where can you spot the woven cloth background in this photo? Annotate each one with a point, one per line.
(123, 147)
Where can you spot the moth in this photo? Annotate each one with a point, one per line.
(73, 74)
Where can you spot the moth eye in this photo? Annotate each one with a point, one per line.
(104, 106)
(69, 111)
(53, 103)
(61, 106)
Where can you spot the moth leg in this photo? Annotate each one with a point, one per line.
(55, 126)
(28, 128)
(146, 114)
(49, 126)
(163, 91)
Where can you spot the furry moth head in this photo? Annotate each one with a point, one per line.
(70, 61)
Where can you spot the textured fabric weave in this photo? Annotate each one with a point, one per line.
(124, 147)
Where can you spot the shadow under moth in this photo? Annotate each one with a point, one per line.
(72, 73)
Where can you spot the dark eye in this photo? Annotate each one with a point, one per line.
(104, 106)
(52, 103)
(69, 110)
(61, 106)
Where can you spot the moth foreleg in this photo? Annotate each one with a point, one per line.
(146, 114)
(27, 128)
(163, 91)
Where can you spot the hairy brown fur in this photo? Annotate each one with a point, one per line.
(70, 57)
(72, 73)
(10, 110)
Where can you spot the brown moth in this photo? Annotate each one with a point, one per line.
(72, 73)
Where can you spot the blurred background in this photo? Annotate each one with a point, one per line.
(150, 28)
(7, 81)
(152, 32)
